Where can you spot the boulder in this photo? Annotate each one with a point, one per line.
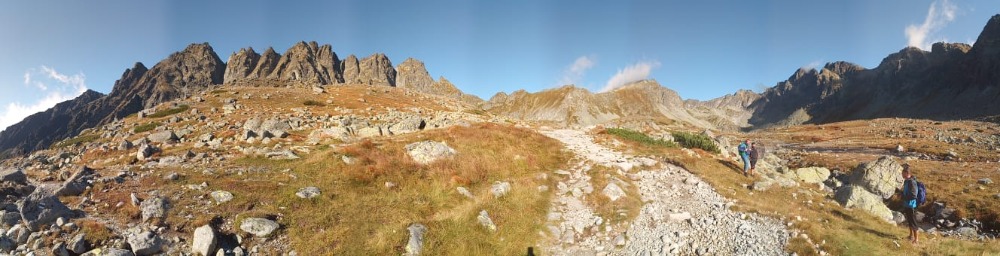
(259, 227)
(221, 196)
(500, 188)
(408, 125)
(108, 252)
(416, 242)
(59, 249)
(77, 183)
(426, 152)
(13, 175)
(854, 196)
(203, 242)
(308, 192)
(145, 243)
(162, 137)
(145, 151)
(812, 175)
(882, 177)
(613, 192)
(41, 208)
(274, 127)
(154, 208)
(338, 133)
(485, 221)
(10, 218)
(7, 244)
(78, 244)
(370, 131)
(985, 181)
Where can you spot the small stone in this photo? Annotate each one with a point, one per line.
(145, 243)
(308, 192)
(485, 221)
(78, 244)
(465, 192)
(416, 242)
(500, 189)
(221, 196)
(985, 181)
(259, 227)
(613, 192)
(204, 240)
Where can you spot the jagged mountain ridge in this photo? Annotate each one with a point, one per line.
(952, 81)
(198, 68)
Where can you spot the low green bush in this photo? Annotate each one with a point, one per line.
(691, 140)
(639, 137)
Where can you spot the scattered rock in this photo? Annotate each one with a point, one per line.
(221, 196)
(78, 244)
(259, 227)
(145, 243)
(500, 189)
(682, 216)
(613, 192)
(7, 244)
(204, 241)
(985, 181)
(900, 149)
(308, 192)
(426, 152)
(145, 151)
(465, 192)
(13, 175)
(162, 137)
(281, 155)
(108, 252)
(154, 208)
(416, 242)
(485, 221)
(408, 125)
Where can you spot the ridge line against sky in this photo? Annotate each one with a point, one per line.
(702, 50)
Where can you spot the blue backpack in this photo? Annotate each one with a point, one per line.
(921, 196)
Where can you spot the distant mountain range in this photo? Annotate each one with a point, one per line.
(952, 81)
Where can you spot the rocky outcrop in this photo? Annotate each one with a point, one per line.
(413, 75)
(42, 129)
(350, 70)
(308, 62)
(882, 177)
(377, 70)
(265, 65)
(240, 65)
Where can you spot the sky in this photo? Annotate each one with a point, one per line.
(51, 51)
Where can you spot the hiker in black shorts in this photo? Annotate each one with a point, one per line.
(910, 201)
(756, 152)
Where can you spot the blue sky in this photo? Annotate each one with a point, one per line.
(53, 50)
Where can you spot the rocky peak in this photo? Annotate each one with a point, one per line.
(130, 77)
(307, 62)
(350, 70)
(377, 70)
(988, 42)
(412, 74)
(265, 64)
(907, 58)
(842, 67)
(240, 64)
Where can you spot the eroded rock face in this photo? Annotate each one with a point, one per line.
(308, 62)
(265, 65)
(240, 65)
(412, 74)
(350, 70)
(377, 70)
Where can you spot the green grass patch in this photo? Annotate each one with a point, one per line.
(691, 140)
(313, 103)
(168, 112)
(639, 137)
(146, 127)
(77, 139)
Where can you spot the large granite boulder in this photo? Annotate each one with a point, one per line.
(882, 177)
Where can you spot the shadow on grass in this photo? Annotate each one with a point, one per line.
(731, 166)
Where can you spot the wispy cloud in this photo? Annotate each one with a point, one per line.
(812, 65)
(939, 14)
(65, 87)
(575, 72)
(631, 73)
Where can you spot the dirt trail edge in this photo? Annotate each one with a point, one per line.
(681, 214)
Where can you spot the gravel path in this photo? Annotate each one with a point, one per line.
(681, 214)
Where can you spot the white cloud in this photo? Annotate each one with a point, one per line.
(575, 72)
(813, 65)
(66, 88)
(631, 73)
(938, 15)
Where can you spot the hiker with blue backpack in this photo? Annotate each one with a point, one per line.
(914, 194)
(744, 151)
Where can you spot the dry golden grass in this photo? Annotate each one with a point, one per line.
(95, 232)
(845, 231)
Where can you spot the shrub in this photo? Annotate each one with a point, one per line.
(168, 112)
(691, 140)
(639, 137)
(146, 127)
(313, 103)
